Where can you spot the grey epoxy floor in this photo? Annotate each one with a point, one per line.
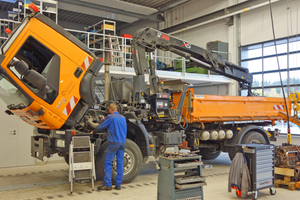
(51, 182)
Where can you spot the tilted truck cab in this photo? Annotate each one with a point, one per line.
(48, 74)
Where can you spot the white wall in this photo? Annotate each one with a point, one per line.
(210, 32)
(191, 10)
(200, 36)
(212, 90)
(256, 25)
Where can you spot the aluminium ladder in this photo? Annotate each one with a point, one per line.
(81, 160)
(116, 55)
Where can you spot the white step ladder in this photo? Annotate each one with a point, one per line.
(116, 55)
(81, 160)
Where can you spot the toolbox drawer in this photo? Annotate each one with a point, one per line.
(264, 183)
(264, 175)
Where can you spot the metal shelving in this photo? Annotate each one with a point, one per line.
(48, 8)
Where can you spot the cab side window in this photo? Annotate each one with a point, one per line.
(39, 70)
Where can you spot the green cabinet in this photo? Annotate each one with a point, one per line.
(180, 178)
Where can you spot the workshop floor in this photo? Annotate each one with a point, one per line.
(51, 182)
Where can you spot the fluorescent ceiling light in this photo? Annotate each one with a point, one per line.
(122, 5)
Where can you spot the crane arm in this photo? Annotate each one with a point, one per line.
(149, 39)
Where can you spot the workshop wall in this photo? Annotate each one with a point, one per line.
(212, 89)
(256, 25)
(200, 36)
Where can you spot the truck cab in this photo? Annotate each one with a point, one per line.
(46, 83)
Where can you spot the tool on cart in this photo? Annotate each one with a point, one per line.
(156, 164)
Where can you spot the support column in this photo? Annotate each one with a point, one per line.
(234, 42)
(106, 76)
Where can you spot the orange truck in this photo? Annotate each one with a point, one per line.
(47, 79)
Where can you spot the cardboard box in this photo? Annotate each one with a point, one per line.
(108, 26)
(126, 36)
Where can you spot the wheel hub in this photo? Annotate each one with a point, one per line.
(128, 162)
(256, 141)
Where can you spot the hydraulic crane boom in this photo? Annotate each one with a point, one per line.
(149, 39)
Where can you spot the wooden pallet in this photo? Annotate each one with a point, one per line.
(287, 175)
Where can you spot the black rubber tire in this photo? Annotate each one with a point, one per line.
(250, 137)
(67, 158)
(254, 195)
(132, 158)
(208, 155)
(231, 152)
(273, 191)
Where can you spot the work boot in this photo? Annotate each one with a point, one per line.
(118, 187)
(104, 187)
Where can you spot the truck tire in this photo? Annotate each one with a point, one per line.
(250, 137)
(208, 155)
(67, 158)
(132, 162)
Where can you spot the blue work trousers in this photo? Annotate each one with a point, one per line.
(111, 151)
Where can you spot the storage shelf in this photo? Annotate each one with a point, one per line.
(41, 4)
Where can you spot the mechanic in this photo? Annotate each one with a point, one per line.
(116, 137)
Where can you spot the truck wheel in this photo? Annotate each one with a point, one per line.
(208, 155)
(67, 158)
(250, 137)
(132, 162)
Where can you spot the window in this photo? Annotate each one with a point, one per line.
(261, 61)
(40, 72)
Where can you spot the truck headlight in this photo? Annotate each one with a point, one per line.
(60, 143)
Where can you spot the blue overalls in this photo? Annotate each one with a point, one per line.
(116, 137)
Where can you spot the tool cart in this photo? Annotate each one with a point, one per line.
(260, 162)
(180, 177)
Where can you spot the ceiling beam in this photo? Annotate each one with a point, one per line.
(108, 11)
(214, 15)
(154, 16)
(75, 7)
(124, 6)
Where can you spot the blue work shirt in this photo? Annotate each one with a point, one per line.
(116, 128)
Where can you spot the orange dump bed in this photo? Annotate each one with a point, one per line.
(211, 108)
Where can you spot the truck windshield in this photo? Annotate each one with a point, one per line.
(13, 98)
